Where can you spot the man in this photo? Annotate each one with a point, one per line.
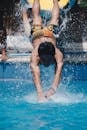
(45, 50)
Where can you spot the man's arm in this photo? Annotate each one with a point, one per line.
(36, 75)
(59, 60)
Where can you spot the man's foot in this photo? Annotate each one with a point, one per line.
(50, 92)
(3, 57)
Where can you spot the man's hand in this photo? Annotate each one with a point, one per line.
(41, 97)
(50, 92)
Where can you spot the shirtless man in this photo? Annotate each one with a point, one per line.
(45, 50)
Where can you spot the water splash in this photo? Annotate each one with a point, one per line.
(65, 97)
(61, 97)
(20, 43)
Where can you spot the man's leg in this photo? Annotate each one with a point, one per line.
(36, 13)
(55, 13)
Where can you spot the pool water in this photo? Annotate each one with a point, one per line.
(20, 110)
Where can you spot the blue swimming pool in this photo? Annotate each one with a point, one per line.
(19, 109)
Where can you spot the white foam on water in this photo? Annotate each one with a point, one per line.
(61, 97)
(69, 98)
(30, 98)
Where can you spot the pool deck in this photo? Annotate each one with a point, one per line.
(69, 57)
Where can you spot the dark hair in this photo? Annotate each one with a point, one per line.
(3, 36)
(46, 53)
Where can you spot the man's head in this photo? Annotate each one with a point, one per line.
(46, 53)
